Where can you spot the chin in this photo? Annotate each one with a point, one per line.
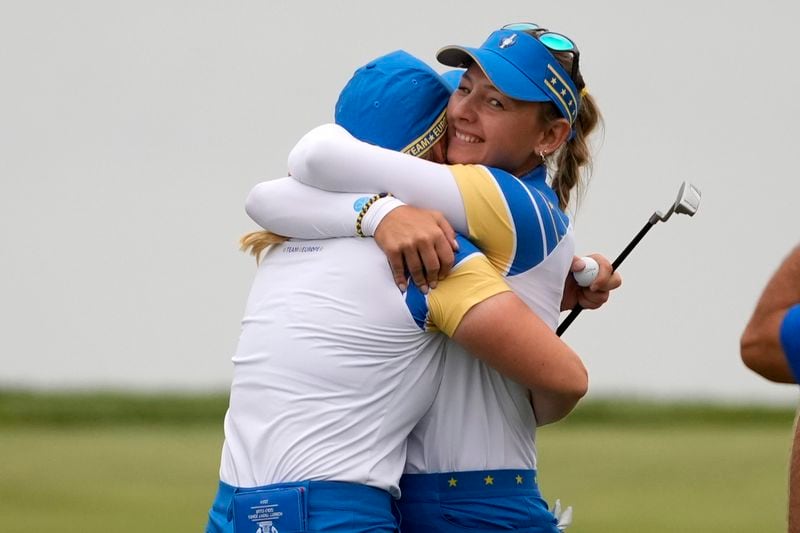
(462, 155)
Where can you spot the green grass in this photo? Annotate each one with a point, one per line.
(110, 462)
(113, 479)
(62, 409)
(671, 479)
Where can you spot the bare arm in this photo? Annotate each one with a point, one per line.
(761, 347)
(475, 307)
(508, 336)
(549, 407)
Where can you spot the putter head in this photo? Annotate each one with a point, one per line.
(687, 203)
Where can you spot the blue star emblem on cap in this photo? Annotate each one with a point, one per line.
(509, 41)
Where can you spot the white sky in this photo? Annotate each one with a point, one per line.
(131, 132)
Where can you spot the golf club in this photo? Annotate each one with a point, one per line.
(687, 203)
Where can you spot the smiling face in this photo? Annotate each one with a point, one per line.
(489, 128)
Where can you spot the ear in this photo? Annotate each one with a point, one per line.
(555, 134)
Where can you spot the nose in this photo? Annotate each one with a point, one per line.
(461, 107)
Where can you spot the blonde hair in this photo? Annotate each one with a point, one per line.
(256, 242)
(573, 161)
(576, 153)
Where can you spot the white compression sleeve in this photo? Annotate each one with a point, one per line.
(289, 208)
(376, 212)
(329, 158)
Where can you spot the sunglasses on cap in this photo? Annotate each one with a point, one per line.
(552, 40)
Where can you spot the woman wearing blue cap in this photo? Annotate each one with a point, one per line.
(471, 460)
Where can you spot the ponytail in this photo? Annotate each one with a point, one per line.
(576, 153)
(256, 242)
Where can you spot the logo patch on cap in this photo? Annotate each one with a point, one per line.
(511, 40)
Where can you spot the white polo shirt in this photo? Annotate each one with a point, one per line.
(334, 365)
(480, 419)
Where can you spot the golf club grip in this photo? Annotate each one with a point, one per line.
(617, 262)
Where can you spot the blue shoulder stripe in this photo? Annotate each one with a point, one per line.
(539, 221)
(548, 221)
(529, 249)
(559, 219)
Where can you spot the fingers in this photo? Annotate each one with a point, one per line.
(614, 281)
(447, 230)
(577, 264)
(418, 243)
(445, 257)
(606, 279)
(398, 267)
(430, 265)
(592, 299)
(598, 293)
(429, 261)
(416, 270)
(418, 259)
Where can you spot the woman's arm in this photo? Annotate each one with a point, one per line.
(329, 158)
(769, 343)
(508, 336)
(287, 207)
(292, 209)
(549, 407)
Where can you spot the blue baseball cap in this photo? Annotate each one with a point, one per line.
(395, 101)
(520, 67)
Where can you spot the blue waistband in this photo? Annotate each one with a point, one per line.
(331, 506)
(321, 491)
(485, 482)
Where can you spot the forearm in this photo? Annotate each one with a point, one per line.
(287, 207)
(549, 407)
(330, 158)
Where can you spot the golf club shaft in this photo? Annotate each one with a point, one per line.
(617, 262)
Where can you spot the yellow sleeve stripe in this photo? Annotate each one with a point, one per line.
(471, 282)
(489, 219)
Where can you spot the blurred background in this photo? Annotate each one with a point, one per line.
(132, 132)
